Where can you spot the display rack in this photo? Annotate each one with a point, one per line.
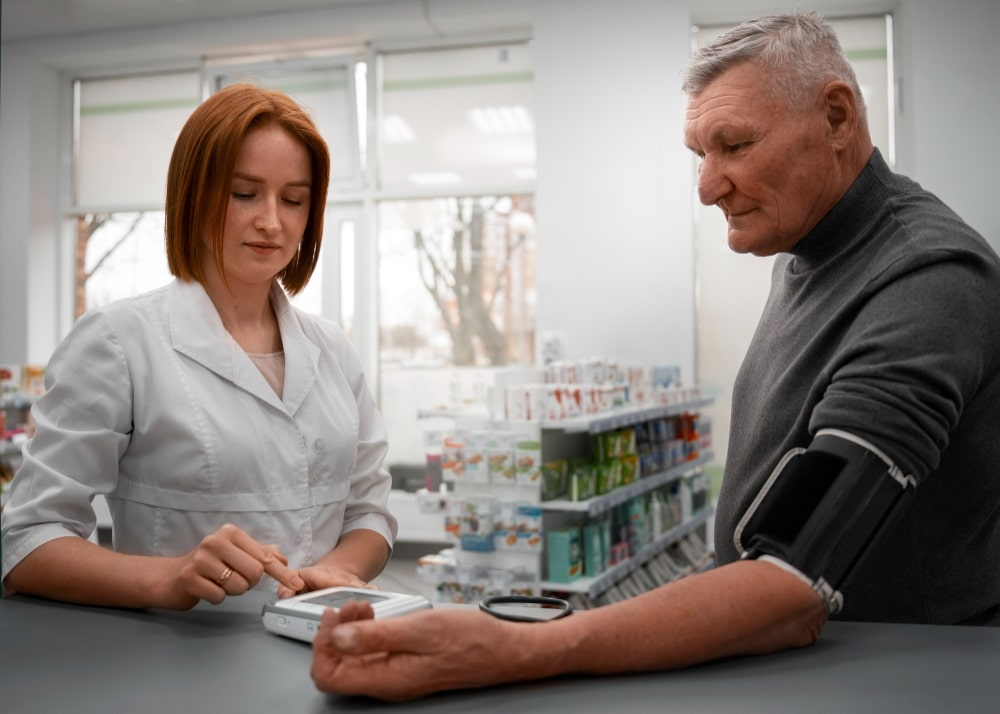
(600, 504)
(14, 410)
(567, 439)
(592, 587)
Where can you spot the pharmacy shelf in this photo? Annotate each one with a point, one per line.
(600, 504)
(9, 449)
(16, 400)
(594, 586)
(610, 420)
(626, 416)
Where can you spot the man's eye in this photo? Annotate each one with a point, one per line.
(736, 147)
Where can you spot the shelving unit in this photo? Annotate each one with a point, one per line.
(15, 408)
(600, 504)
(627, 416)
(572, 438)
(594, 586)
(10, 455)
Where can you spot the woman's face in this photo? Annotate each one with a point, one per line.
(268, 209)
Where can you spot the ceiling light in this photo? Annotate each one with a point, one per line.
(502, 120)
(395, 130)
(435, 178)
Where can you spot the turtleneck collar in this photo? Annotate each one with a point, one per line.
(843, 225)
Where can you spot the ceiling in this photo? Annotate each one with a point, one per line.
(35, 19)
(31, 19)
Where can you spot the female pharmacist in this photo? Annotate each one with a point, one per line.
(233, 435)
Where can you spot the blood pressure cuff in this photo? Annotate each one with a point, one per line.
(823, 509)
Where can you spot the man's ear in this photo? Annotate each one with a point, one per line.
(841, 108)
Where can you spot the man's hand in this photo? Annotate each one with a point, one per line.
(406, 657)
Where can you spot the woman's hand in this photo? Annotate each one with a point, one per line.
(318, 577)
(226, 562)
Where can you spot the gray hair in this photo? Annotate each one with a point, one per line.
(799, 51)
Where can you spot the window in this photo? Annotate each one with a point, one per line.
(456, 229)
(428, 258)
(125, 128)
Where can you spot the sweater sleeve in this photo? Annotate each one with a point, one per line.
(917, 353)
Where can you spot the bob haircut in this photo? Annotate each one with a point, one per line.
(200, 176)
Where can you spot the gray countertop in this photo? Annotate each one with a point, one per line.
(64, 658)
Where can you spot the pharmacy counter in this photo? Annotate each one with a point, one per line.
(64, 658)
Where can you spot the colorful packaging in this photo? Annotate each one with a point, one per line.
(554, 476)
(607, 445)
(476, 457)
(516, 402)
(608, 476)
(500, 458)
(581, 481)
(453, 519)
(528, 461)
(606, 397)
(505, 525)
(595, 558)
(564, 554)
(630, 471)
(528, 523)
(537, 395)
(477, 523)
(626, 442)
(453, 458)
(33, 380)
(593, 370)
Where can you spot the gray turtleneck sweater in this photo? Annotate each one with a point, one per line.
(884, 321)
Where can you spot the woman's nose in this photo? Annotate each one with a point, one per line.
(267, 216)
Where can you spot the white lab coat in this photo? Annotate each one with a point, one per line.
(152, 403)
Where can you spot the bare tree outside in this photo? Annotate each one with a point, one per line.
(86, 227)
(117, 255)
(475, 260)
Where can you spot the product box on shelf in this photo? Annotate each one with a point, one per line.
(596, 546)
(10, 379)
(564, 554)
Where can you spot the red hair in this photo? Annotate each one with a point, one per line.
(200, 176)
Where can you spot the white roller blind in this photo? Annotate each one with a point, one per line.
(327, 92)
(127, 129)
(457, 119)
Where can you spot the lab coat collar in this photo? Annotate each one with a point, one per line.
(196, 331)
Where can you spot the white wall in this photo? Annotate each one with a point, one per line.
(615, 269)
(950, 104)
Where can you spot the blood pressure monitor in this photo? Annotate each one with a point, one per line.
(298, 617)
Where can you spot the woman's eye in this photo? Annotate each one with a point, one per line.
(242, 195)
(293, 202)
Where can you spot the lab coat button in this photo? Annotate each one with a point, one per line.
(319, 445)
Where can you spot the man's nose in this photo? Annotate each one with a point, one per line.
(712, 181)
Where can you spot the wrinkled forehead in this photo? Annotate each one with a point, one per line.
(739, 95)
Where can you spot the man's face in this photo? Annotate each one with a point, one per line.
(770, 169)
